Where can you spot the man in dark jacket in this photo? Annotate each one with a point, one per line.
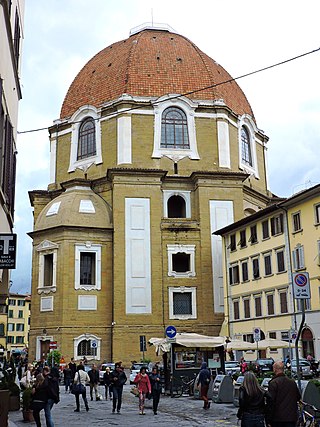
(118, 379)
(204, 381)
(285, 396)
(94, 381)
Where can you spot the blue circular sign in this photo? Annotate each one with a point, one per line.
(301, 280)
(171, 331)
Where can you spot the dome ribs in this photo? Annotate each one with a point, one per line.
(152, 63)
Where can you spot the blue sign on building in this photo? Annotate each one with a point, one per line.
(171, 331)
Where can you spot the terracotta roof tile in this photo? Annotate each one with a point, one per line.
(152, 63)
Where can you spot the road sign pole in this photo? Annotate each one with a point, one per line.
(297, 343)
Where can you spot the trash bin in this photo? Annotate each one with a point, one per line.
(222, 390)
(236, 389)
(310, 393)
(4, 407)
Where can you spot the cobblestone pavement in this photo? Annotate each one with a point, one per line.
(177, 412)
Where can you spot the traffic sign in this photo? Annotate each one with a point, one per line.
(293, 334)
(53, 345)
(93, 344)
(256, 334)
(171, 332)
(301, 285)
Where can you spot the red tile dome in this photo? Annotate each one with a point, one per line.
(152, 63)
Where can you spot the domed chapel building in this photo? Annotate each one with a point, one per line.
(152, 153)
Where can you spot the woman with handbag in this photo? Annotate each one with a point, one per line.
(39, 398)
(81, 378)
(144, 387)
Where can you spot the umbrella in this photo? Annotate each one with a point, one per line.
(272, 343)
(240, 345)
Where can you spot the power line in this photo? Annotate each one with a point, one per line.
(198, 90)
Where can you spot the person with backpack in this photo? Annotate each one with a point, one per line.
(53, 393)
(204, 381)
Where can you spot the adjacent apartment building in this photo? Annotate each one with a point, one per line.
(11, 35)
(19, 307)
(261, 253)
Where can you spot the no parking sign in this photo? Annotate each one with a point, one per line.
(301, 285)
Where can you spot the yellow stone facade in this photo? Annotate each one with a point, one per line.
(291, 245)
(125, 196)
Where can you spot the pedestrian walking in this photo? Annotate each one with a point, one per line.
(81, 378)
(155, 388)
(39, 398)
(143, 383)
(204, 381)
(118, 379)
(107, 383)
(67, 378)
(285, 396)
(252, 402)
(52, 386)
(243, 366)
(94, 381)
(73, 367)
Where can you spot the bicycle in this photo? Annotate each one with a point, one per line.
(306, 418)
(182, 385)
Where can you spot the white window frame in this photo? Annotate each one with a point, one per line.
(284, 260)
(256, 258)
(255, 297)
(93, 248)
(82, 337)
(236, 300)
(265, 255)
(317, 214)
(298, 258)
(76, 119)
(247, 122)
(186, 195)
(232, 268)
(47, 248)
(188, 107)
(179, 290)
(293, 216)
(244, 299)
(285, 292)
(46, 303)
(187, 249)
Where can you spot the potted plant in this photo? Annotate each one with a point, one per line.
(27, 412)
(8, 383)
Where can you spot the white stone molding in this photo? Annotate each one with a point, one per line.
(188, 107)
(76, 119)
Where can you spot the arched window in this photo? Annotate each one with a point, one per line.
(174, 129)
(246, 147)
(176, 207)
(87, 139)
(86, 349)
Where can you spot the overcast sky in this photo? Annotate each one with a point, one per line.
(60, 36)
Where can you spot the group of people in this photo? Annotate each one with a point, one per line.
(277, 407)
(148, 385)
(45, 392)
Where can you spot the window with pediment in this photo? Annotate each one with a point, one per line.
(174, 129)
(87, 139)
